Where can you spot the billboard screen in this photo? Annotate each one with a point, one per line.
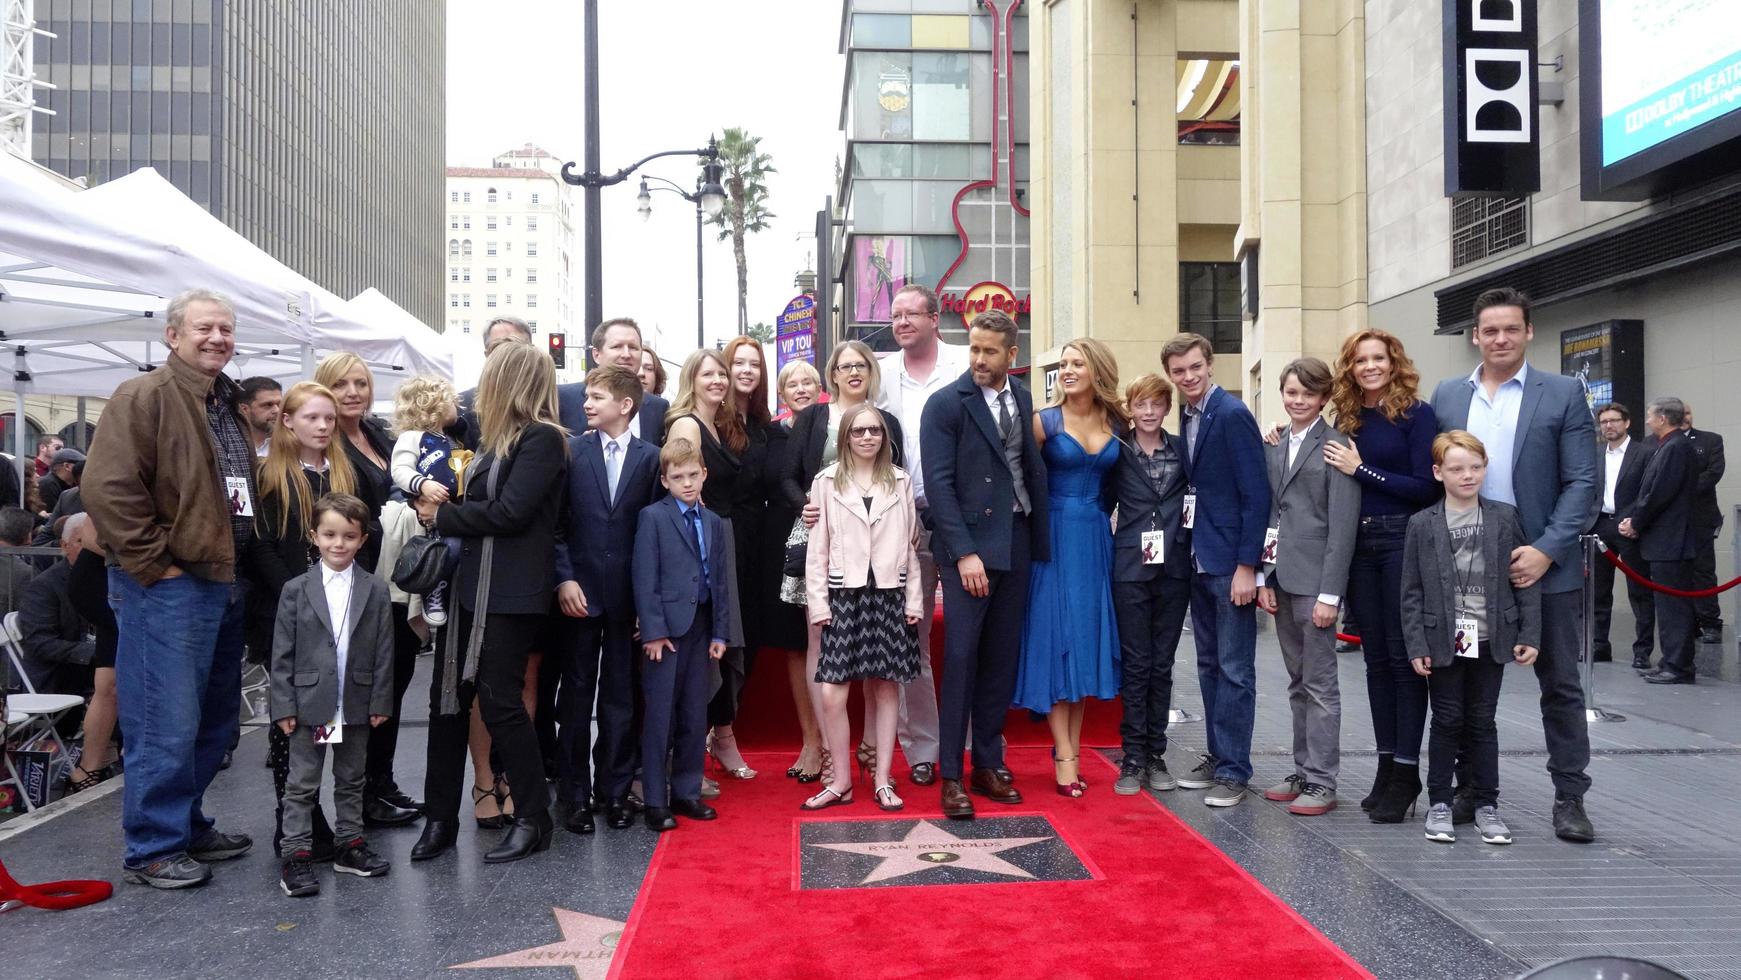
(1661, 84)
(1668, 67)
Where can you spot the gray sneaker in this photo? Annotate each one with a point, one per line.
(1160, 780)
(1493, 829)
(1439, 826)
(1287, 790)
(1130, 779)
(1225, 792)
(1313, 801)
(1201, 776)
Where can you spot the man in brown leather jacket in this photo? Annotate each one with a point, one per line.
(170, 486)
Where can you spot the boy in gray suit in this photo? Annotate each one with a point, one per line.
(332, 667)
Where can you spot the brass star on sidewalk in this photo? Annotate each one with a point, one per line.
(928, 846)
(588, 944)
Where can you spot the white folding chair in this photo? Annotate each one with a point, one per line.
(31, 717)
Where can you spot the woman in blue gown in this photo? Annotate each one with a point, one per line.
(1070, 645)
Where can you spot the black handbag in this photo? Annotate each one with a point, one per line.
(422, 565)
(797, 550)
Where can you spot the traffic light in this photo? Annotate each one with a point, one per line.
(558, 350)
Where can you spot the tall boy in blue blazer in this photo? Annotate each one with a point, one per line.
(682, 599)
(612, 476)
(1230, 493)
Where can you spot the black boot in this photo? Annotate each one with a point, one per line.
(1386, 763)
(529, 835)
(438, 837)
(1400, 794)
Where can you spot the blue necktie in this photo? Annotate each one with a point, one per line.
(705, 592)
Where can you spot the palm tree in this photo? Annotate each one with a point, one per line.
(746, 210)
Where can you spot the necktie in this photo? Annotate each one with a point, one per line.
(1006, 423)
(701, 547)
(613, 468)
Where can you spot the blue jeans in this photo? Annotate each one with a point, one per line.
(1226, 637)
(178, 684)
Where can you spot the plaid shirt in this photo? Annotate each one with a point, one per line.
(235, 454)
(1161, 465)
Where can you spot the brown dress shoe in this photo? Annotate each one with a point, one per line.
(956, 805)
(987, 782)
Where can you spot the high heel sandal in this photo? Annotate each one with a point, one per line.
(479, 794)
(89, 780)
(504, 798)
(887, 800)
(826, 773)
(867, 758)
(1080, 781)
(804, 775)
(714, 745)
(1071, 789)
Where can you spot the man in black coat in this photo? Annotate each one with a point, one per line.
(1661, 520)
(1707, 521)
(1623, 462)
(63, 474)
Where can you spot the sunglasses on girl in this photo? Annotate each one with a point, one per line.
(861, 431)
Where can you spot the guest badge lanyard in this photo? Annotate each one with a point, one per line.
(1154, 540)
(241, 501)
(1468, 630)
(334, 733)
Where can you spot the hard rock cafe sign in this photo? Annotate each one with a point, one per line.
(982, 297)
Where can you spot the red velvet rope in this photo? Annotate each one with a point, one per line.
(1614, 560)
(1342, 637)
(56, 896)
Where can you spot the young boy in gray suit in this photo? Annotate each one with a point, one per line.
(332, 669)
(1463, 621)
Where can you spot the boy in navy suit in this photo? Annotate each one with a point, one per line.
(612, 476)
(683, 603)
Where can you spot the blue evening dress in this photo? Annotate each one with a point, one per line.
(1070, 645)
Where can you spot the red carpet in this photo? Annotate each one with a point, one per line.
(766, 718)
(722, 899)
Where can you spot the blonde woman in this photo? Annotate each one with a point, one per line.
(367, 447)
(862, 583)
(786, 629)
(1070, 646)
(513, 493)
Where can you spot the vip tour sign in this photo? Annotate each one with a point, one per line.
(795, 332)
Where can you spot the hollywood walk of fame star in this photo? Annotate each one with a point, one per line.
(928, 846)
(588, 944)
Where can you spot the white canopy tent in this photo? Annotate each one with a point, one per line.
(85, 276)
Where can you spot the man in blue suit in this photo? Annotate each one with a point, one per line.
(612, 476)
(616, 341)
(1228, 504)
(1521, 414)
(986, 486)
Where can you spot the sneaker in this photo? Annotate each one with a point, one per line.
(1130, 779)
(1439, 826)
(1160, 780)
(297, 876)
(1570, 821)
(435, 605)
(1313, 801)
(356, 858)
(1225, 792)
(215, 846)
(1287, 790)
(1201, 776)
(1493, 830)
(180, 871)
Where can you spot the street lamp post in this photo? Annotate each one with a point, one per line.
(645, 201)
(593, 180)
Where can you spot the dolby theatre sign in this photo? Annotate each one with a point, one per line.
(1492, 140)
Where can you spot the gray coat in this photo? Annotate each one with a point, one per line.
(1316, 508)
(1429, 587)
(305, 657)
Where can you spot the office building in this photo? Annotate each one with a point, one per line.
(314, 129)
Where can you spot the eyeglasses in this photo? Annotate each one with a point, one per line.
(861, 431)
(858, 367)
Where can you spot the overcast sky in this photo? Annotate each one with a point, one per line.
(670, 74)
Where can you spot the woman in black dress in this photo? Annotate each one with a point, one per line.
(785, 627)
(369, 448)
(506, 577)
(706, 413)
(88, 591)
(753, 537)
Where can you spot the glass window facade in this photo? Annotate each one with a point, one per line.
(1209, 303)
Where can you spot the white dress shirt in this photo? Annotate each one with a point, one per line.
(1494, 422)
(1612, 459)
(338, 607)
(905, 396)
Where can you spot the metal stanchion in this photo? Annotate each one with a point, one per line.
(1587, 656)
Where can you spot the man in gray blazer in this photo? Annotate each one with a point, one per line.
(1523, 415)
(1315, 510)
